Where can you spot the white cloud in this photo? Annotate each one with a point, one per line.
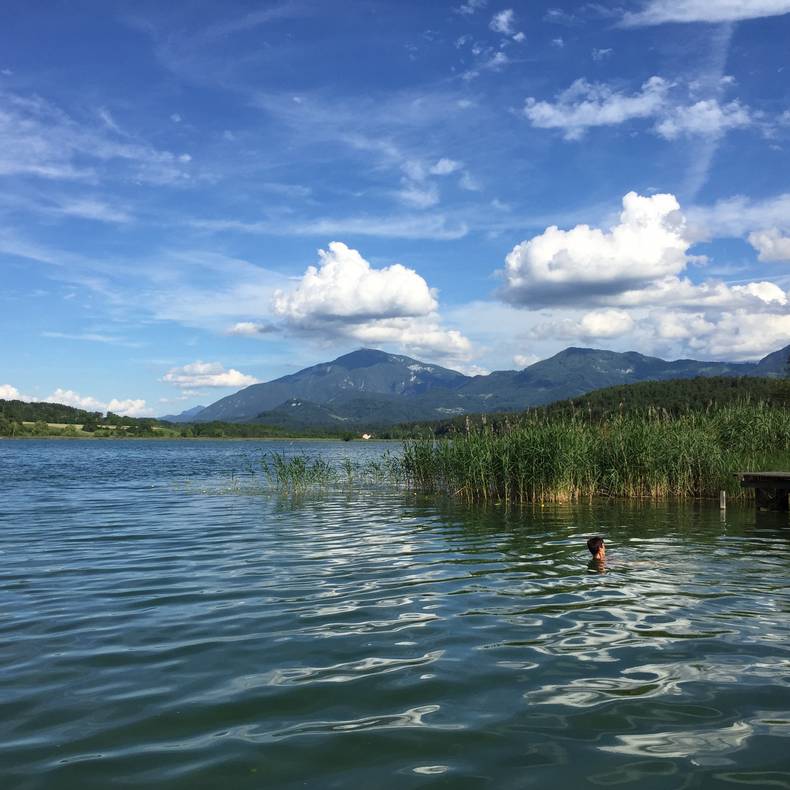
(424, 336)
(602, 54)
(682, 292)
(251, 329)
(771, 245)
(503, 22)
(525, 360)
(585, 104)
(445, 166)
(8, 392)
(648, 243)
(409, 226)
(606, 323)
(207, 374)
(633, 276)
(72, 398)
(419, 194)
(736, 216)
(129, 407)
(706, 117)
(470, 6)
(345, 287)
(743, 334)
(495, 62)
(468, 182)
(683, 326)
(345, 296)
(38, 138)
(519, 38)
(657, 12)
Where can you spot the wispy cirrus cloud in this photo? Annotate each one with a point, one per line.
(437, 226)
(93, 337)
(38, 138)
(659, 12)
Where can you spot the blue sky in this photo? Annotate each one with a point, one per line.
(197, 196)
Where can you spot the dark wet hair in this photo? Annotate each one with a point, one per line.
(593, 544)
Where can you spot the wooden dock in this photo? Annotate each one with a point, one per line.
(771, 489)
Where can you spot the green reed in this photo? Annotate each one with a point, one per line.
(535, 458)
(302, 472)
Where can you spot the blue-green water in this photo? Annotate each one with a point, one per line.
(157, 632)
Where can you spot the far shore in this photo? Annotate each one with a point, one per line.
(201, 439)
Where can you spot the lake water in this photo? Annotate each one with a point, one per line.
(158, 631)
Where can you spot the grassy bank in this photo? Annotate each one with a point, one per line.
(649, 454)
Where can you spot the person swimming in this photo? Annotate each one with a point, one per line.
(597, 548)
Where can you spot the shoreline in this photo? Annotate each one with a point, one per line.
(200, 439)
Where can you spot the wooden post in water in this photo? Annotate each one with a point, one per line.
(722, 500)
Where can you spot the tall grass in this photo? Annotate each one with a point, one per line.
(537, 458)
(299, 473)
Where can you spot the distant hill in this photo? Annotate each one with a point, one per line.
(189, 415)
(673, 397)
(22, 411)
(370, 388)
(362, 373)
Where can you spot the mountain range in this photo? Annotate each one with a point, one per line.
(370, 387)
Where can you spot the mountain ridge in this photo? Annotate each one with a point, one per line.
(368, 383)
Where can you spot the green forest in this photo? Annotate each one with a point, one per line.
(667, 398)
(671, 398)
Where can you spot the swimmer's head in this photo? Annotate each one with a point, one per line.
(597, 547)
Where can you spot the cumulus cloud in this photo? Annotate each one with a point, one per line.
(771, 245)
(657, 12)
(9, 392)
(344, 296)
(128, 407)
(422, 336)
(503, 22)
(648, 243)
(345, 287)
(738, 215)
(585, 104)
(596, 325)
(606, 323)
(746, 335)
(207, 374)
(707, 118)
(682, 292)
(628, 284)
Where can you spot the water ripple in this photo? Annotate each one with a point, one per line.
(154, 635)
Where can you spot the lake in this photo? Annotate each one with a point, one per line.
(159, 629)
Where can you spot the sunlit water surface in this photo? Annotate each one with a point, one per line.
(159, 631)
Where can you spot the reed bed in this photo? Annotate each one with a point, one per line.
(299, 473)
(638, 455)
